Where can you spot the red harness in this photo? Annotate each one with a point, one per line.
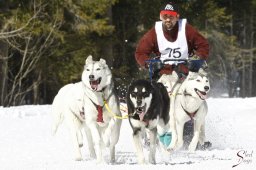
(100, 115)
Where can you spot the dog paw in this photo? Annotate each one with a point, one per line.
(78, 158)
(100, 161)
(141, 161)
(191, 148)
(204, 146)
(172, 146)
(92, 155)
(179, 145)
(170, 150)
(152, 162)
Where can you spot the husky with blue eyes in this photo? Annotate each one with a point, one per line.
(148, 106)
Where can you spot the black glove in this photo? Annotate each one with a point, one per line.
(156, 66)
(195, 65)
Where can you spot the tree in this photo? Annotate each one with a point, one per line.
(243, 27)
(45, 40)
(29, 39)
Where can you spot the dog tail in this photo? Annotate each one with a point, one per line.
(58, 121)
(58, 117)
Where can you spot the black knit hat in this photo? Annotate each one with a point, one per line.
(170, 9)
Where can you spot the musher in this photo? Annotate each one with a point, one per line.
(173, 38)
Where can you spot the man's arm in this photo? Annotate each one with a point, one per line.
(146, 46)
(197, 44)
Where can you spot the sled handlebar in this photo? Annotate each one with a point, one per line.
(166, 60)
(155, 65)
(175, 60)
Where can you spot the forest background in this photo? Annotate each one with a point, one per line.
(44, 44)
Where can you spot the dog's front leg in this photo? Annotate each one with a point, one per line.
(202, 134)
(152, 151)
(180, 128)
(89, 142)
(74, 128)
(107, 133)
(74, 137)
(96, 141)
(193, 143)
(172, 124)
(80, 138)
(138, 145)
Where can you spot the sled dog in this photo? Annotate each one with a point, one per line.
(68, 106)
(190, 104)
(148, 108)
(169, 82)
(90, 104)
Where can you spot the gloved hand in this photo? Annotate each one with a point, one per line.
(156, 66)
(195, 65)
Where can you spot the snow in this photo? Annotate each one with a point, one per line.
(26, 142)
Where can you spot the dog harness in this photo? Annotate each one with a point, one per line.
(100, 116)
(191, 115)
(100, 112)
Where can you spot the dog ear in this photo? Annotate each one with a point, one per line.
(89, 60)
(192, 75)
(202, 72)
(103, 62)
(130, 106)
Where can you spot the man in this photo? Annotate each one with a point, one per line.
(174, 38)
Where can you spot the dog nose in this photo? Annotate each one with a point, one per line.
(91, 77)
(206, 88)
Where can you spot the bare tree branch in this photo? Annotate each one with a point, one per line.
(31, 48)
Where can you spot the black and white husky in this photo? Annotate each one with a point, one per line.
(148, 106)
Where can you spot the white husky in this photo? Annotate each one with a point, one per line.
(68, 106)
(91, 104)
(187, 102)
(190, 104)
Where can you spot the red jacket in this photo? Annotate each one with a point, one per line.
(147, 45)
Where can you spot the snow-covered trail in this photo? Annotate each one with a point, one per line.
(26, 142)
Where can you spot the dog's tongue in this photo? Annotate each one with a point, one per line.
(142, 116)
(94, 85)
(202, 96)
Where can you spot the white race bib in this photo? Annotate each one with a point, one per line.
(177, 50)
